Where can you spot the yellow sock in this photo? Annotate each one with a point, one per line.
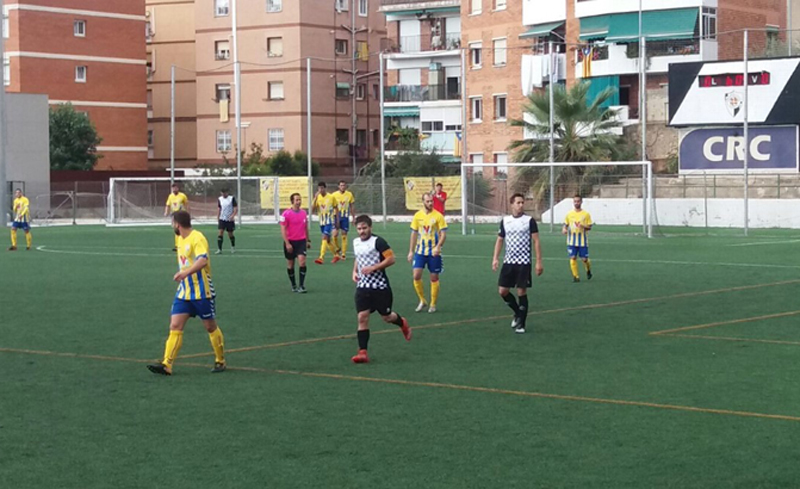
(14, 238)
(28, 239)
(573, 265)
(218, 344)
(588, 265)
(420, 290)
(323, 248)
(434, 293)
(344, 245)
(172, 348)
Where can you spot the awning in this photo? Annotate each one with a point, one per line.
(656, 25)
(541, 30)
(343, 85)
(401, 111)
(594, 27)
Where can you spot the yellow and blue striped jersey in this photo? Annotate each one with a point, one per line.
(326, 208)
(177, 202)
(577, 236)
(197, 285)
(344, 200)
(22, 210)
(428, 226)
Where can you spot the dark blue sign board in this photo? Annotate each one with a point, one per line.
(772, 149)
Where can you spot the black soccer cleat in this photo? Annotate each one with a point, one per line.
(174, 249)
(218, 367)
(588, 274)
(12, 248)
(576, 279)
(159, 368)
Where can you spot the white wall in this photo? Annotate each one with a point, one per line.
(411, 76)
(603, 7)
(543, 11)
(618, 62)
(450, 115)
(400, 61)
(724, 213)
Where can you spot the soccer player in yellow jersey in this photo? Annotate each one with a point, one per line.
(195, 296)
(344, 205)
(577, 225)
(325, 205)
(22, 220)
(428, 232)
(177, 201)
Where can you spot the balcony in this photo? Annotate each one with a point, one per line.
(440, 142)
(419, 44)
(623, 59)
(395, 5)
(420, 93)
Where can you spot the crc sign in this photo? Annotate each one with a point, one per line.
(772, 149)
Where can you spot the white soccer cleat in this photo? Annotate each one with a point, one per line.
(420, 307)
(218, 252)
(516, 322)
(432, 309)
(520, 329)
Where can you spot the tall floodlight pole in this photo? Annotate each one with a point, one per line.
(237, 81)
(746, 133)
(172, 125)
(790, 34)
(383, 139)
(464, 154)
(643, 103)
(4, 207)
(308, 137)
(551, 80)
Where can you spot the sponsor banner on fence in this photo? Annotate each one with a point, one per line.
(772, 149)
(416, 186)
(286, 187)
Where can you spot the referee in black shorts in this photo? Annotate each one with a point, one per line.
(518, 232)
(227, 208)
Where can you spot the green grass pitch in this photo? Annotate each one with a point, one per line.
(675, 366)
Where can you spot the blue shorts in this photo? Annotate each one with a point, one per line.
(203, 308)
(25, 226)
(344, 224)
(434, 263)
(578, 251)
(326, 229)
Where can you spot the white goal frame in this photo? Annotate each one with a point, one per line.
(647, 187)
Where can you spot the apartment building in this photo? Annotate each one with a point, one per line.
(92, 56)
(423, 90)
(275, 37)
(170, 36)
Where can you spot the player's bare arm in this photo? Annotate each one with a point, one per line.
(412, 243)
(286, 242)
(437, 250)
(196, 267)
(355, 271)
(498, 245)
(537, 248)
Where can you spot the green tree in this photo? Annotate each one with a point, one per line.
(584, 130)
(73, 140)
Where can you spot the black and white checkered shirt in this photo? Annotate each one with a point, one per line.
(516, 232)
(368, 253)
(226, 206)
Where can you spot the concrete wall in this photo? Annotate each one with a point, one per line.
(28, 153)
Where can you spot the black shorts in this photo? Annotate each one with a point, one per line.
(372, 300)
(298, 249)
(226, 225)
(515, 276)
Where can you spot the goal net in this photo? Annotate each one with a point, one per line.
(142, 201)
(616, 193)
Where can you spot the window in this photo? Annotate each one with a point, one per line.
(361, 138)
(475, 55)
(80, 74)
(772, 38)
(6, 71)
(274, 5)
(499, 52)
(342, 137)
(223, 141)
(150, 142)
(500, 107)
(221, 8)
(501, 171)
(363, 8)
(148, 31)
(432, 126)
(274, 47)
(361, 91)
(342, 90)
(376, 91)
(340, 45)
(476, 108)
(499, 4)
(342, 5)
(79, 28)
(362, 50)
(275, 90)
(149, 100)
(223, 91)
(6, 25)
(709, 23)
(452, 127)
(477, 7)
(276, 139)
(222, 50)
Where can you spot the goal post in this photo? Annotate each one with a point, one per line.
(471, 170)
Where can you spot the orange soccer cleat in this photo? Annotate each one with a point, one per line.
(406, 330)
(360, 357)
(319, 261)
(336, 258)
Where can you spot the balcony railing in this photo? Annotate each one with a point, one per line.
(675, 47)
(416, 44)
(420, 93)
(415, 2)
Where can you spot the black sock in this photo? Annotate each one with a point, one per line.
(219, 242)
(290, 271)
(512, 303)
(398, 321)
(523, 308)
(302, 276)
(233, 241)
(363, 339)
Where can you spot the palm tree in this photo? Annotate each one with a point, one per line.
(583, 131)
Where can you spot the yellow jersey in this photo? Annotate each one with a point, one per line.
(197, 285)
(22, 210)
(577, 236)
(344, 200)
(177, 202)
(428, 226)
(326, 208)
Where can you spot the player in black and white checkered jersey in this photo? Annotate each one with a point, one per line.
(518, 232)
(373, 292)
(227, 209)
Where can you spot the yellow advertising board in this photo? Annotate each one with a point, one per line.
(286, 187)
(416, 186)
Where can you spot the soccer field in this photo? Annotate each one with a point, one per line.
(675, 366)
